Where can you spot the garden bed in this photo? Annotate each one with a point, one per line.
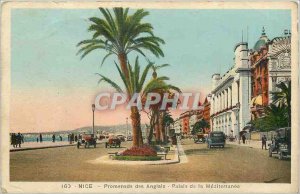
(137, 158)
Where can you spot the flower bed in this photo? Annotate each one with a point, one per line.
(139, 151)
(137, 158)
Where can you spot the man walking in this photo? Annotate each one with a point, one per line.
(244, 138)
(264, 142)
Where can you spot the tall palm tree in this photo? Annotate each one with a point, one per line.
(121, 34)
(137, 84)
(283, 97)
(157, 115)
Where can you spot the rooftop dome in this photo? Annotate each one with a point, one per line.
(262, 41)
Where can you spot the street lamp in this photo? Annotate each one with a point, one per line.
(93, 109)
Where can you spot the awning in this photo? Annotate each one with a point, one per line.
(256, 100)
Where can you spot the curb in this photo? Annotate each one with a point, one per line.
(106, 160)
(38, 148)
(45, 147)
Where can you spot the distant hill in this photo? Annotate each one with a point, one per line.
(88, 129)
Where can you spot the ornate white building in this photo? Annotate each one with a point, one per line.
(230, 111)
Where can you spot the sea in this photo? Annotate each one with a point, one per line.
(46, 137)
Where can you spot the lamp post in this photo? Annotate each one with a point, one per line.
(126, 127)
(93, 109)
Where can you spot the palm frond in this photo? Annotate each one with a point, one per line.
(143, 77)
(125, 81)
(110, 82)
(136, 74)
(105, 57)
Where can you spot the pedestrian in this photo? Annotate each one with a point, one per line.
(41, 138)
(53, 138)
(76, 138)
(60, 137)
(18, 140)
(22, 138)
(264, 142)
(37, 139)
(13, 139)
(244, 138)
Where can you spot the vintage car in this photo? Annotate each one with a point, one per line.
(87, 140)
(113, 142)
(121, 137)
(281, 143)
(216, 139)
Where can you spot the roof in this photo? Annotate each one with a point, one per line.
(263, 40)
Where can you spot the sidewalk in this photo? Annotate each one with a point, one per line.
(249, 143)
(38, 145)
(43, 145)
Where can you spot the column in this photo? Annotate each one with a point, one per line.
(228, 124)
(244, 113)
(226, 98)
(229, 97)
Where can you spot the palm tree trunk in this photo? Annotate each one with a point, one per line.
(162, 127)
(152, 123)
(123, 63)
(157, 129)
(136, 127)
(140, 137)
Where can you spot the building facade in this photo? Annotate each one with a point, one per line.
(206, 112)
(270, 62)
(185, 126)
(230, 95)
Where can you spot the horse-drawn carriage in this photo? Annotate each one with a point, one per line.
(87, 140)
(281, 143)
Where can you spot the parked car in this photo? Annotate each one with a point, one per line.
(87, 140)
(281, 143)
(113, 142)
(216, 139)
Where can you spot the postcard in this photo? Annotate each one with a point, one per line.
(149, 97)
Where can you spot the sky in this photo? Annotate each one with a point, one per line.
(53, 89)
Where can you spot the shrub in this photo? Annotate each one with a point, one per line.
(145, 150)
(137, 158)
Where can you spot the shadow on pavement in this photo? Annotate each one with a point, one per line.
(205, 151)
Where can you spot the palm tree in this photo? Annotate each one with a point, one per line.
(283, 97)
(121, 34)
(276, 116)
(137, 84)
(157, 115)
(201, 124)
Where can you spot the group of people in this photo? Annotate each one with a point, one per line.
(40, 138)
(53, 138)
(263, 141)
(17, 139)
(74, 138)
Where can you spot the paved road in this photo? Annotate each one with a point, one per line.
(231, 164)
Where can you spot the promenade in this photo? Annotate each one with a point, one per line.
(230, 164)
(39, 145)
